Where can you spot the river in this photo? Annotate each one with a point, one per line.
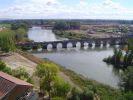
(85, 61)
(40, 35)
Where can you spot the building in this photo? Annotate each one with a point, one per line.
(12, 88)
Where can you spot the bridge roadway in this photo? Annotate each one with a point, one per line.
(82, 42)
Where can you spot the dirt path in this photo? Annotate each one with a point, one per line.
(16, 60)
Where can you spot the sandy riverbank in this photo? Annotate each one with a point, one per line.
(16, 60)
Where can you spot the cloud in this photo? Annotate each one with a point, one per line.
(110, 3)
(108, 9)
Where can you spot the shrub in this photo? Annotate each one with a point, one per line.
(57, 98)
(61, 88)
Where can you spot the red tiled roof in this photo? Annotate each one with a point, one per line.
(13, 79)
(7, 83)
(5, 86)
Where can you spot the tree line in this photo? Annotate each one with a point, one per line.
(120, 59)
(9, 37)
(63, 25)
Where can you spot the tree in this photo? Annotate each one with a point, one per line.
(87, 95)
(60, 88)
(126, 96)
(7, 40)
(130, 44)
(128, 58)
(127, 79)
(63, 25)
(47, 74)
(75, 94)
(117, 57)
(20, 34)
(19, 25)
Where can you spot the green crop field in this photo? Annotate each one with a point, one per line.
(5, 25)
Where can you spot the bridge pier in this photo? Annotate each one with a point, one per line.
(64, 45)
(44, 47)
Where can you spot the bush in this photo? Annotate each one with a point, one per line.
(127, 79)
(57, 98)
(2, 65)
(126, 96)
(20, 73)
(4, 68)
(61, 88)
(87, 95)
(75, 94)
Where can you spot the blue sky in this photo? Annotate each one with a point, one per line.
(66, 9)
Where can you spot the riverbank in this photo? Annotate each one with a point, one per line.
(75, 80)
(105, 92)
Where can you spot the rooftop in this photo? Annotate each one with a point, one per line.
(13, 79)
(8, 83)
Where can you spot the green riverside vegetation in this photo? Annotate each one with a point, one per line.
(70, 35)
(50, 82)
(61, 30)
(7, 40)
(125, 62)
(15, 34)
(121, 60)
(5, 25)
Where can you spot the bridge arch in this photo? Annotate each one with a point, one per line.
(69, 45)
(49, 46)
(59, 45)
(39, 49)
(86, 43)
(108, 43)
(93, 43)
(78, 44)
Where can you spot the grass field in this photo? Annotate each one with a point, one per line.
(5, 25)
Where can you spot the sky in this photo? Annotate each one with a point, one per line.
(66, 9)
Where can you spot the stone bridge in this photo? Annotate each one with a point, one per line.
(73, 43)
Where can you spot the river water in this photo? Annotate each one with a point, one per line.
(85, 61)
(41, 35)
